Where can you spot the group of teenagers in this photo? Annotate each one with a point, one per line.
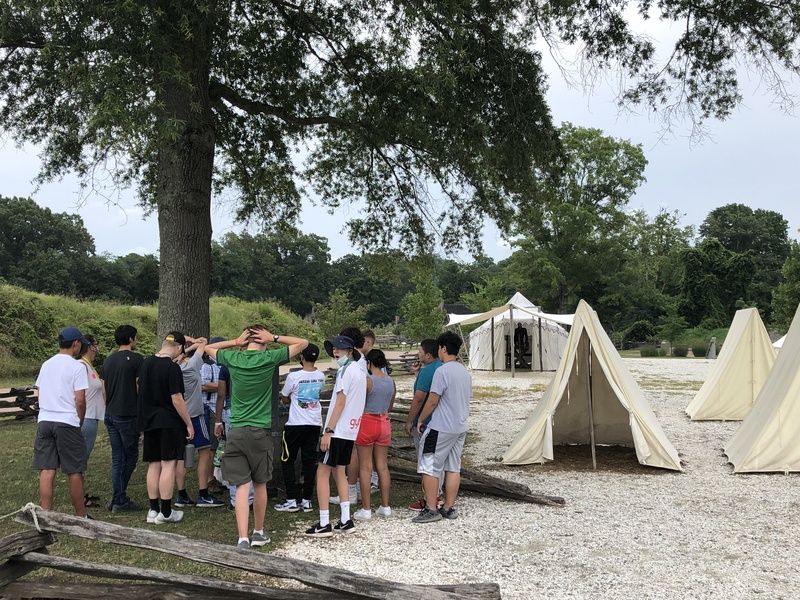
(192, 392)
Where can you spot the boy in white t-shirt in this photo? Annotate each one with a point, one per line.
(338, 438)
(59, 443)
(301, 432)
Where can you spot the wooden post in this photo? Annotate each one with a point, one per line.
(492, 336)
(513, 354)
(591, 407)
(541, 360)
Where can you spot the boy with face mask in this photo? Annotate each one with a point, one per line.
(339, 434)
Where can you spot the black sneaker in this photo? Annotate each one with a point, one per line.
(348, 527)
(452, 513)
(319, 531)
(183, 500)
(129, 506)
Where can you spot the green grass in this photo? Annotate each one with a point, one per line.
(20, 486)
(30, 322)
(488, 392)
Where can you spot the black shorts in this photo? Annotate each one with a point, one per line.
(59, 445)
(338, 454)
(164, 444)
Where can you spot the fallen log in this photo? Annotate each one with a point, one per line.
(471, 474)
(214, 588)
(306, 572)
(405, 472)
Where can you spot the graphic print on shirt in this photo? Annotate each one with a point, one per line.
(308, 394)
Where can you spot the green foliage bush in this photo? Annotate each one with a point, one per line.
(640, 331)
(699, 350)
(681, 351)
(650, 352)
(30, 322)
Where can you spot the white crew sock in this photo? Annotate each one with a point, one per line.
(324, 517)
(243, 540)
(345, 507)
(353, 493)
(258, 531)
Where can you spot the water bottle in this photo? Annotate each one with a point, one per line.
(188, 456)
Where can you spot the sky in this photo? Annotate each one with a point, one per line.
(750, 158)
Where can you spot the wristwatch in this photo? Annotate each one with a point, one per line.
(328, 430)
(275, 338)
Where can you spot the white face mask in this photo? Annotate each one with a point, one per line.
(343, 361)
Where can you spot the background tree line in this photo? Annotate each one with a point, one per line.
(646, 276)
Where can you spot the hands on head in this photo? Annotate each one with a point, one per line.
(259, 335)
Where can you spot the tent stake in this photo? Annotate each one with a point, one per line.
(591, 409)
(513, 356)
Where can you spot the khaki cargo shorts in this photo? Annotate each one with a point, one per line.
(248, 455)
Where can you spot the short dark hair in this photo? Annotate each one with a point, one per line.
(354, 333)
(124, 334)
(368, 333)
(450, 342)
(429, 346)
(64, 344)
(377, 358)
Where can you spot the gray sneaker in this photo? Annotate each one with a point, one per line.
(256, 539)
(243, 545)
(427, 516)
(449, 514)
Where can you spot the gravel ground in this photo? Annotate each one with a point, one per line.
(626, 531)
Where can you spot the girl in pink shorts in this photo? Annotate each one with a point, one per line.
(375, 435)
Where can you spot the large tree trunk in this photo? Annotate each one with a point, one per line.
(184, 169)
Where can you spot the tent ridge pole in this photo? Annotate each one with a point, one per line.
(511, 337)
(591, 408)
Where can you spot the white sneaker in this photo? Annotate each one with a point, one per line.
(384, 511)
(355, 493)
(363, 514)
(334, 500)
(176, 516)
(151, 516)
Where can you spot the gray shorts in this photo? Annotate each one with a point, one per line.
(440, 452)
(59, 445)
(248, 455)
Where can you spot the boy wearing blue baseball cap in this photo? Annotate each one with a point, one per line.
(59, 443)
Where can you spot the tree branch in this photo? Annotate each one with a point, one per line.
(219, 90)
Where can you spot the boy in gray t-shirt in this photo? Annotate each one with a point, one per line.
(442, 441)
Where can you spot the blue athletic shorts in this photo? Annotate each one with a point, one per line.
(201, 438)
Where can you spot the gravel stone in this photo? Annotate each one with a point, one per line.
(627, 531)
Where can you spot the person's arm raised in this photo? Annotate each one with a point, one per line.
(211, 349)
(296, 345)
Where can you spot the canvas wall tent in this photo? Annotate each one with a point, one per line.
(490, 343)
(769, 437)
(739, 373)
(778, 344)
(593, 399)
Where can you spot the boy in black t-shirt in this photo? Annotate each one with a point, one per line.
(166, 424)
(119, 373)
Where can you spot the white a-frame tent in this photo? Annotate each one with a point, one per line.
(494, 343)
(738, 374)
(593, 399)
(769, 437)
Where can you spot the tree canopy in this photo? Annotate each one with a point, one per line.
(392, 106)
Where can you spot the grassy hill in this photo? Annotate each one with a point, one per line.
(30, 322)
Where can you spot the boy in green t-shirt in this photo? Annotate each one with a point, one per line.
(248, 449)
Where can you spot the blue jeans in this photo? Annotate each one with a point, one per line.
(123, 433)
(89, 431)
